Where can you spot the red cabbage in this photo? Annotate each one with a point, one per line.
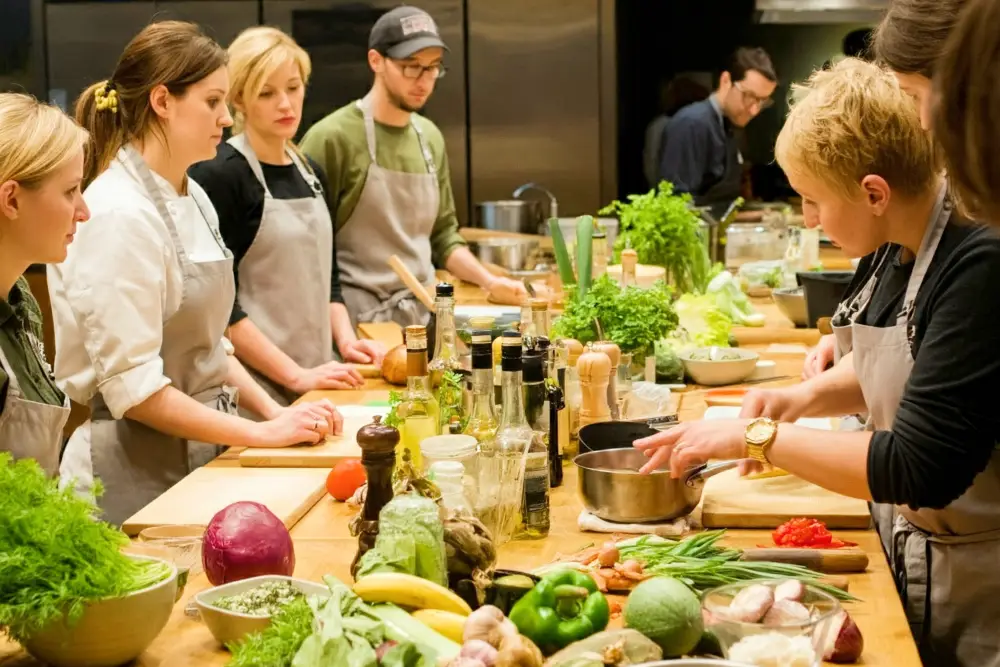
(246, 540)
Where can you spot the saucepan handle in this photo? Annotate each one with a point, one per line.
(701, 473)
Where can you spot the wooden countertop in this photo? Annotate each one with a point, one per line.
(323, 545)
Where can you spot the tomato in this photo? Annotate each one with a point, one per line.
(802, 533)
(345, 478)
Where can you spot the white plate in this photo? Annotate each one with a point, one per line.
(727, 412)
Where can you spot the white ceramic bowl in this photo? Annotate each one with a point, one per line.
(110, 632)
(715, 366)
(231, 626)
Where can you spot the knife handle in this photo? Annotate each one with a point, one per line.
(819, 560)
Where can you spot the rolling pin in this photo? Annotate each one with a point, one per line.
(368, 370)
(828, 561)
(411, 282)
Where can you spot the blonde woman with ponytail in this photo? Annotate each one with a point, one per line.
(41, 168)
(142, 302)
(273, 215)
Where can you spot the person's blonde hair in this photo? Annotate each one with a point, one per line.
(35, 139)
(254, 56)
(854, 120)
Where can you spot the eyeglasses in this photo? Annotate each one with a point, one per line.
(750, 99)
(416, 71)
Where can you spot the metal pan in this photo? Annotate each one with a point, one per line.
(612, 489)
(621, 434)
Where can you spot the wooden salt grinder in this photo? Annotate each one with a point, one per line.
(614, 354)
(594, 371)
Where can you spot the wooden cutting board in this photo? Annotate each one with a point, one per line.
(730, 501)
(325, 455)
(288, 493)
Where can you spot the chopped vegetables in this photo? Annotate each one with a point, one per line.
(774, 649)
(264, 600)
(806, 533)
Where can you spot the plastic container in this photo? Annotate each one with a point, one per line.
(450, 477)
(461, 449)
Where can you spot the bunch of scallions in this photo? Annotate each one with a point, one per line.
(55, 557)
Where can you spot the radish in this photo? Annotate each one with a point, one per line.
(844, 644)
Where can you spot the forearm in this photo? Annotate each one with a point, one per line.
(834, 393)
(835, 460)
(462, 264)
(173, 412)
(257, 351)
(252, 395)
(340, 325)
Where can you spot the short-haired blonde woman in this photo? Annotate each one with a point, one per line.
(273, 215)
(41, 169)
(918, 333)
(142, 302)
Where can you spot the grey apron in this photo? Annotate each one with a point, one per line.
(284, 277)
(31, 430)
(394, 215)
(943, 560)
(134, 462)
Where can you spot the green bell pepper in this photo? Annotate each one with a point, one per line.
(562, 608)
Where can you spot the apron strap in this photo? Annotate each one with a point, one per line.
(388, 305)
(848, 312)
(932, 237)
(242, 144)
(13, 386)
(364, 105)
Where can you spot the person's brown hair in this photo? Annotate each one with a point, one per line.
(912, 35)
(175, 54)
(966, 113)
(745, 59)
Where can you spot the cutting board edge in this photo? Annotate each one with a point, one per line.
(762, 521)
(256, 460)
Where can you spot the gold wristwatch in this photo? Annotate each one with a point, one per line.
(759, 436)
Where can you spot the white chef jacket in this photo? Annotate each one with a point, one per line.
(122, 279)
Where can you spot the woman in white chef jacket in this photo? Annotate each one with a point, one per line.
(273, 216)
(142, 302)
(41, 169)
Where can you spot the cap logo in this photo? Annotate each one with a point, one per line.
(416, 24)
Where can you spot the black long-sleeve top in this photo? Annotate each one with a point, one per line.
(238, 198)
(948, 421)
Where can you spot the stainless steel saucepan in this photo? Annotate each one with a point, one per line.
(612, 488)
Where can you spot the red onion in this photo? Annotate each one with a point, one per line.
(246, 540)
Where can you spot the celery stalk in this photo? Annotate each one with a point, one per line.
(584, 252)
(562, 255)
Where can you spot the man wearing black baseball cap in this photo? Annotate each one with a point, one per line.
(390, 188)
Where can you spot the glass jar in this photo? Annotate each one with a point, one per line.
(751, 242)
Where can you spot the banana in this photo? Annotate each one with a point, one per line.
(407, 590)
(445, 623)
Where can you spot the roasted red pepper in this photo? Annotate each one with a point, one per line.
(806, 534)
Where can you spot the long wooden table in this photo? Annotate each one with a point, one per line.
(323, 545)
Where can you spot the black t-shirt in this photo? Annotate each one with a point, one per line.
(948, 421)
(238, 198)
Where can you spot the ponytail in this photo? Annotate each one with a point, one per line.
(98, 111)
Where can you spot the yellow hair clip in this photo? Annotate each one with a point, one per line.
(107, 98)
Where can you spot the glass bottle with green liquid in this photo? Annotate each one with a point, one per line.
(419, 411)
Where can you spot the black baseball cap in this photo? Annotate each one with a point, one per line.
(401, 32)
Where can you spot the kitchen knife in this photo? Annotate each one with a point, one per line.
(845, 559)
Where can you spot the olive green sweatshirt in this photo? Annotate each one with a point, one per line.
(338, 144)
(20, 339)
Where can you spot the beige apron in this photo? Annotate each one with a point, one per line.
(943, 560)
(284, 278)
(134, 462)
(395, 215)
(30, 430)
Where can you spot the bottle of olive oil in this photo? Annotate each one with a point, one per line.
(535, 502)
(446, 338)
(419, 410)
(482, 424)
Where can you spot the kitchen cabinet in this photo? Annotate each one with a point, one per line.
(222, 19)
(22, 47)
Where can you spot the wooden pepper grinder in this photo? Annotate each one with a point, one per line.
(594, 370)
(614, 356)
(629, 261)
(378, 455)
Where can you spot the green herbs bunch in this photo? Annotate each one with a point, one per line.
(633, 318)
(664, 231)
(54, 555)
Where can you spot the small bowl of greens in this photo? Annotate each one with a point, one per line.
(232, 611)
(716, 366)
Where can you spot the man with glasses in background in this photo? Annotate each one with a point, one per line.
(390, 186)
(701, 154)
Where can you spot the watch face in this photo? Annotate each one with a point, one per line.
(759, 431)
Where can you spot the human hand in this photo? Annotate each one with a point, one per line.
(331, 375)
(819, 357)
(362, 351)
(693, 443)
(786, 404)
(506, 291)
(304, 423)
